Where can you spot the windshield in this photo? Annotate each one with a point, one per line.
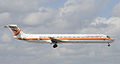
(108, 36)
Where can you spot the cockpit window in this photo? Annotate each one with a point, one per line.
(108, 36)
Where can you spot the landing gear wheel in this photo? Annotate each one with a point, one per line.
(55, 45)
(108, 45)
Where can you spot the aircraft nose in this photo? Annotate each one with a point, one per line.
(112, 40)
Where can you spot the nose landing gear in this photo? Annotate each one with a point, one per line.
(108, 44)
(55, 45)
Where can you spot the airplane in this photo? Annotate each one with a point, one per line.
(59, 38)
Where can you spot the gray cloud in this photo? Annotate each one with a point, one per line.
(104, 25)
(43, 16)
(116, 10)
(72, 16)
(5, 17)
(21, 6)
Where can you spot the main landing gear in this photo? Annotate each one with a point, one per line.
(108, 44)
(55, 45)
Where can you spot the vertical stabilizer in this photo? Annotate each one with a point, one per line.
(16, 31)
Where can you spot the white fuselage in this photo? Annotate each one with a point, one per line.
(59, 38)
(67, 38)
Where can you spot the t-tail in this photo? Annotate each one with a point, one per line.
(15, 30)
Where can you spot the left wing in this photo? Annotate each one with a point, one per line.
(54, 40)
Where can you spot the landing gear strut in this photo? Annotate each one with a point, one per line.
(108, 44)
(55, 45)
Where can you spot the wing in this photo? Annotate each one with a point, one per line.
(53, 40)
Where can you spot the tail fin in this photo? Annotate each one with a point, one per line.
(16, 31)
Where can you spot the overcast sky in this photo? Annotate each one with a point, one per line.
(60, 16)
